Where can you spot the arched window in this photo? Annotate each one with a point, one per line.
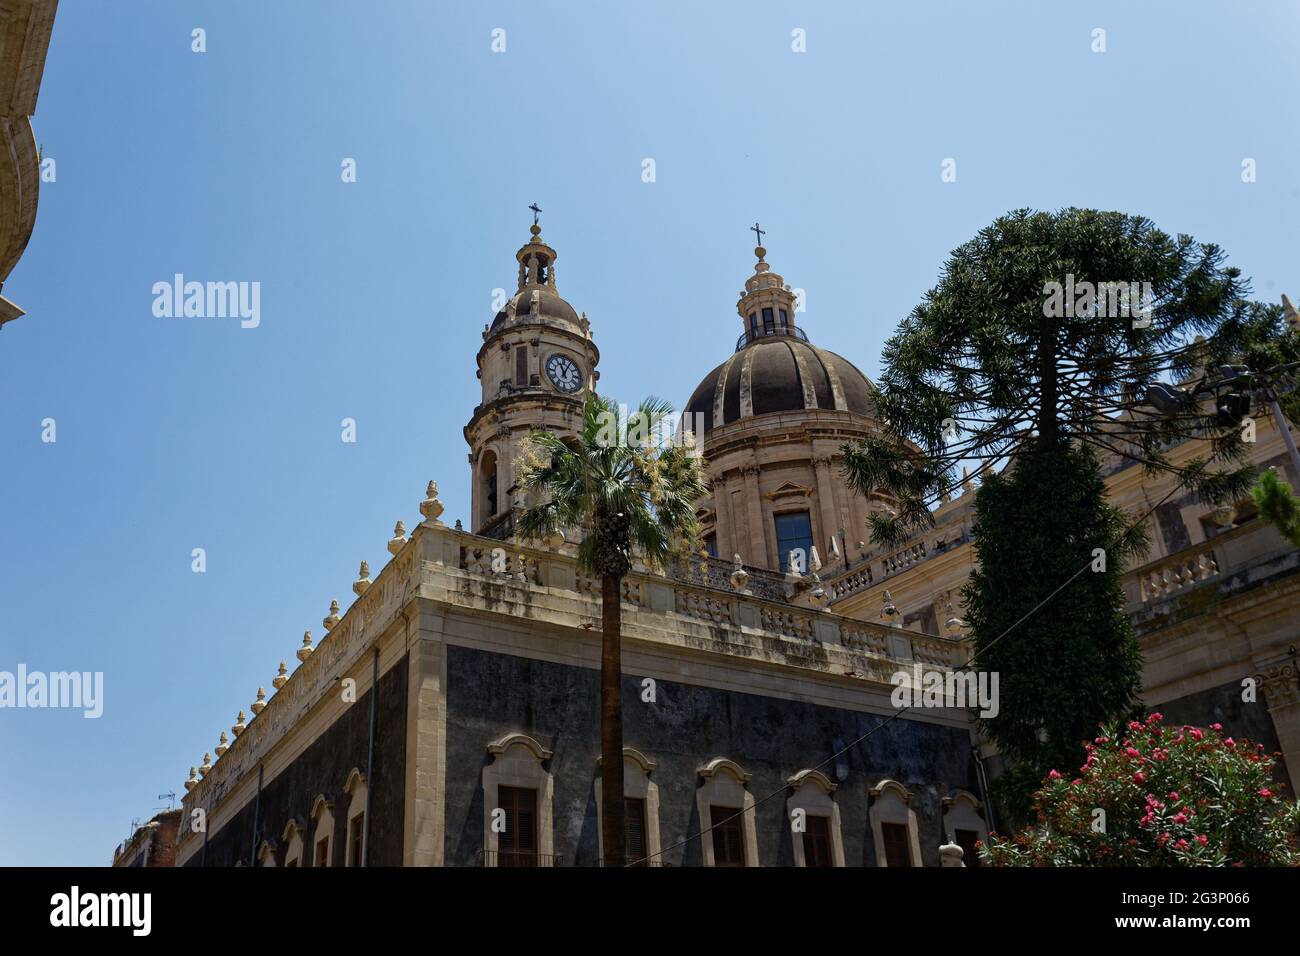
(963, 824)
(726, 809)
(814, 820)
(322, 815)
(893, 825)
(518, 791)
(488, 483)
(356, 829)
(641, 810)
(292, 840)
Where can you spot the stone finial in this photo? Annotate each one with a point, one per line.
(459, 526)
(431, 507)
(193, 781)
(834, 549)
(398, 540)
(740, 577)
(362, 584)
(792, 562)
(223, 744)
(950, 854)
(814, 560)
(332, 618)
(954, 624)
(205, 766)
(281, 678)
(258, 704)
(304, 652)
(889, 612)
(1223, 516)
(239, 726)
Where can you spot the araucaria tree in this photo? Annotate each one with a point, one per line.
(629, 489)
(1036, 349)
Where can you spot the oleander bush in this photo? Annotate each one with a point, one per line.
(1150, 795)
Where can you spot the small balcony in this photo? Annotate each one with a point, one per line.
(754, 335)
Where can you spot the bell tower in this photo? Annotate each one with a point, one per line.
(536, 368)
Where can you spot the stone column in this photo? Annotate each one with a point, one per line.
(722, 525)
(826, 505)
(423, 837)
(757, 527)
(1280, 680)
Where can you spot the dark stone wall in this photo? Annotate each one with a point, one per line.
(323, 768)
(1223, 705)
(489, 695)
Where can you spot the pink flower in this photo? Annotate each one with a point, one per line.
(1103, 740)
(1180, 818)
(1173, 794)
(1197, 733)
(1216, 726)
(1155, 718)
(1266, 792)
(1229, 743)
(1139, 777)
(1162, 839)
(1202, 839)
(1076, 782)
(1132, 752)
(1053, 775)
(1134, 725)
(1180, 845)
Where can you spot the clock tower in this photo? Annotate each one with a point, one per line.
(536, 366)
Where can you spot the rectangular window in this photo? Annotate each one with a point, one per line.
(711, 543)
(728, 836)
(966, 839)
(785, 320)
(517, 846)
(897, 851)
(793, 532)
(817, 842)
(521, 365)
(753, 324)
(769, 323)
(322, 852)
(634, 831)
(356, 839)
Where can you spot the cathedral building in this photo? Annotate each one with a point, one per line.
(450, 716)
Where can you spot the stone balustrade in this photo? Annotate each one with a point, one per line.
(454, 567)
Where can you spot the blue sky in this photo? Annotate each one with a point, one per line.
(174, 434)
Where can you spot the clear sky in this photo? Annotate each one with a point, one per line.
(175, 434)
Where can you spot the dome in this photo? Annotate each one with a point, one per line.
(780, 373)
(548, 303)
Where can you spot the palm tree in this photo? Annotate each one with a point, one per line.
(626, 492)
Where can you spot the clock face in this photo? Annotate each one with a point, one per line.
(564, 373)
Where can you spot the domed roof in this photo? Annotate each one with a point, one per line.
(548, 303)
(780, 373)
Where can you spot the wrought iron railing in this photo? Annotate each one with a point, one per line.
(753, 335)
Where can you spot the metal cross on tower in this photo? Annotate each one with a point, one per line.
(536, 210)
(758, 232)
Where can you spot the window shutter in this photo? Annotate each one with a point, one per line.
(521, 365)
(635, 817)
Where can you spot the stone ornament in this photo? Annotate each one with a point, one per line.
(280, 678)
(205, 766)
(332, 618)
(362, 583)
(193, 780)
(223, 744)
(889, 612)
(258, 704)
(398, 540)
(304, 652)
(239, 726)
(431, 507)
(740, 577)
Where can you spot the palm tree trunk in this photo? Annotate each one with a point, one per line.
(611, 721)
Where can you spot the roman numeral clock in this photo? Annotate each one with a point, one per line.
(564, 373)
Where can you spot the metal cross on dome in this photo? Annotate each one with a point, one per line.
(758, 232)
(536, 210)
